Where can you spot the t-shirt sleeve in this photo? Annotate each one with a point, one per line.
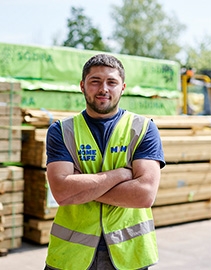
(55, 147)
(151, 146)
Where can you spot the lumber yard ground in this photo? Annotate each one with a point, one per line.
(181, 247)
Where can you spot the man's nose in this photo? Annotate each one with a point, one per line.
(104, 87)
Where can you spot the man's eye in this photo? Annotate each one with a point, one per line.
(112, 83)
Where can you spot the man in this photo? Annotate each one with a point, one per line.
(103, 168)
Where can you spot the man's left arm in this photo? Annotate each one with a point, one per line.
(139, 192)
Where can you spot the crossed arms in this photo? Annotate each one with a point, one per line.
(136, 188)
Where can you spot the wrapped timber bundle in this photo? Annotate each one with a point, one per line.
(184, 193)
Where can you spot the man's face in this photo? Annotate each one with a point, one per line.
(102, 89)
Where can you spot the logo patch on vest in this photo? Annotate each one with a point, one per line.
(118, 149)
(86, 153)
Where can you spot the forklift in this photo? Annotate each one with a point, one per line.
(196, 87)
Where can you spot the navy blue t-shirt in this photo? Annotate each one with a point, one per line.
(150, 148)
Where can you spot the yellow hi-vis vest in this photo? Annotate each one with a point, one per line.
(129, 232)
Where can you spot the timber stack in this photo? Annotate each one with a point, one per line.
(40, 211)
(184, 194)
(11, 177)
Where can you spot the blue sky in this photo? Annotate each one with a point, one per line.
(37, 22)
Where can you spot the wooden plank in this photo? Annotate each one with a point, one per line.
(10, 172)
(10, 86)
(15, 172)
(11, 221)
(11, 209)
(182, 121)
(183, 194)
(13, 197)
(10, 156)
(40, 224)
(11, 186)
(8, 110)
(186, 149)
(3, 173)
(40, 118)
(8, 145)
(8, 233)
(7, 122)
(175, 214)
(5, 97)
(38, 236)
(44, 212)
(185, 132)
(6, 133)
(11, 243)
(185, 174)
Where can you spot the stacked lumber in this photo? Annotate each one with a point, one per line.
(37, 230)
(37, 196)
(33, 147)
(43, 118)
(39, 211)
(11, 207)
(10, 122)
(184, 193)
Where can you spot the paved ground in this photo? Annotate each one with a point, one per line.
(181, 247)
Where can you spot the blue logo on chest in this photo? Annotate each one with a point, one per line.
(86, 153)
(118, 149)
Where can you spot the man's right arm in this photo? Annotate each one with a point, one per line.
(69, 187)
(72, 188)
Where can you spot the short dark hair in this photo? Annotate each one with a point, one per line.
(103, 60)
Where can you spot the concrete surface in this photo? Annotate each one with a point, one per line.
(181, 247)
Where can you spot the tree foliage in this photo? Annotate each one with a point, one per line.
(142, 28)
(82, 34)
(199, 57)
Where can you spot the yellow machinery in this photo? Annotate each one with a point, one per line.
(189, 79)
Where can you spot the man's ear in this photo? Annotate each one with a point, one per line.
(82, 86)
(123, 88)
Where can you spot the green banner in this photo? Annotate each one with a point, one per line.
(59, 69)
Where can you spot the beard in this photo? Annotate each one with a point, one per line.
(102, 108)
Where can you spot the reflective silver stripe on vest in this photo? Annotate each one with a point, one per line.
(129, 233)
(74, 237)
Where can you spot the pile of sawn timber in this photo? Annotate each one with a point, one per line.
(185, 190)
(11, 177)
(184, 193)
